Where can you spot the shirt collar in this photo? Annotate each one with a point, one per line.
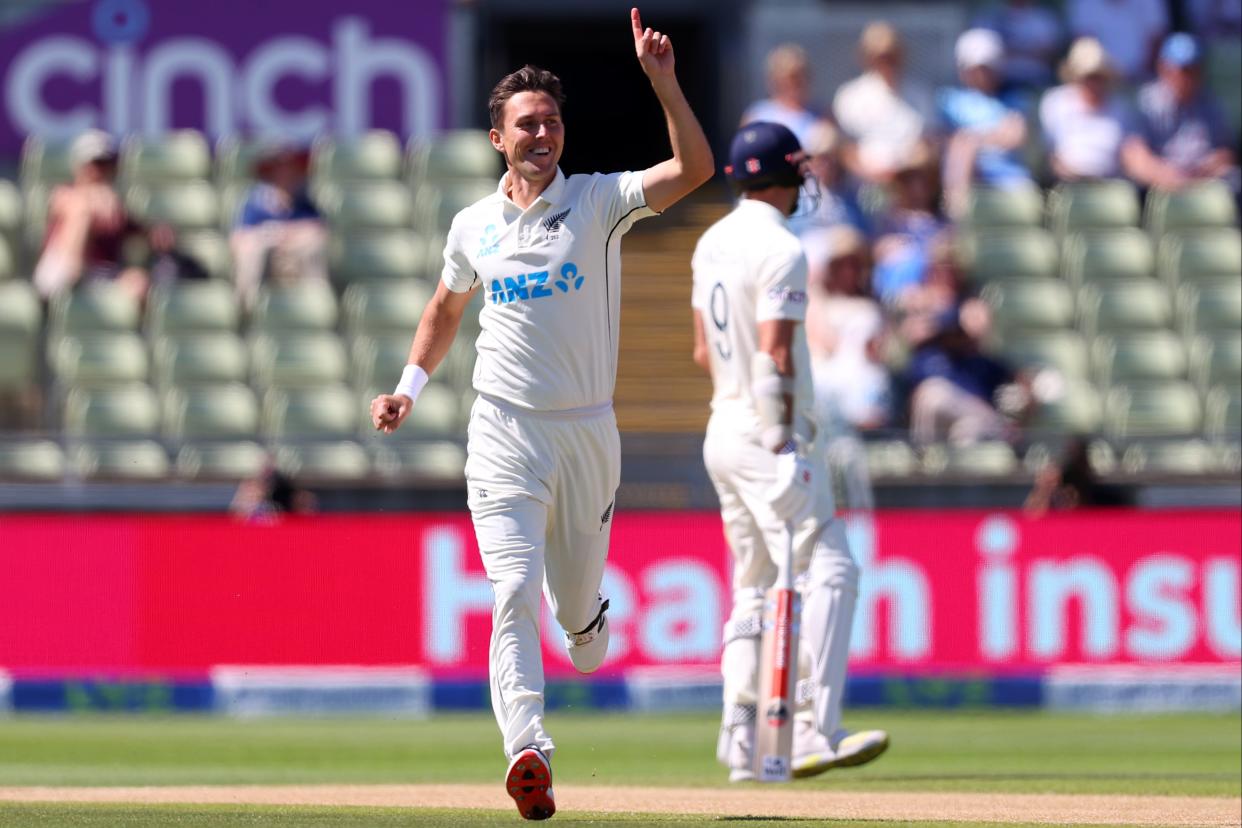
(762, 209)
(551, 194)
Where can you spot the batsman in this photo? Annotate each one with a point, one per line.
(769, 472)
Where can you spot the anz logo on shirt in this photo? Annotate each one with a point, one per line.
(489, 245)
(528, 287)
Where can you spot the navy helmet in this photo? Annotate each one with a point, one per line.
(764, 154)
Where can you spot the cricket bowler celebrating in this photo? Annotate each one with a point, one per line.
(749, 299)
(543, 460)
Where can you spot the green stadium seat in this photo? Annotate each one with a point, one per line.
(12, 215)
(8, 260)
(1125, 253)
(376, 309)
(235, 160)
(32, 460)
(1124, 305)
(232, 460)
(451, 197)
(1210, 305)
(17, 363)
(205, 358)
(20, 313)
(44, 163)
(1216, 360)
(209, 412)
(1012, 254)
(1153, 409)
(1009, 207)
(440, 461)
(125, 460)
(1066, 351)
(322, 412)
(1207, 254)
(374, 154)
(34, 222)
(989, 458)
(434, 416)
(189, 307)
(377, 359)
(1223, 411)
(99, 306)
(1097, 204)
(374, 257)
(1170, 458)
(122, 411)
(1206, 204)
(231, 197)
(370, 205)
(298, 360)
(337, 460)
(309, 305)
(466, 153)
(210, 250)
(99, 359)
(186, 205)
(891, 459)
(182, 155)
(1078, 410)
(1030, 304)
(1148, 355)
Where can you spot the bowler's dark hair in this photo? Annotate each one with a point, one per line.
(527, 79)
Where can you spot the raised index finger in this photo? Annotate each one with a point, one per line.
(636, 23)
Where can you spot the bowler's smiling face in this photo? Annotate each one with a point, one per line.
(531, 136)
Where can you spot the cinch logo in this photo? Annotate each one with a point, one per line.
(531, 286)
(784, 294)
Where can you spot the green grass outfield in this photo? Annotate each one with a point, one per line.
(1187, 755)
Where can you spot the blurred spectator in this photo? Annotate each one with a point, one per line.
(942, 290)
(906, 231)
(955, 389)
(1032, 35)
(279, 235)
(789, 87)
(985, 130)
(1084, 122)
(1071, 483)
(1183, 134)
(90, 236)
(834, 202)
(883, 114)
(1129, 30)
(845, 335)
(167, 263)
(270, 494)
(1215, 20)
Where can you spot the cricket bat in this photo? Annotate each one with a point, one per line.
(778, 675)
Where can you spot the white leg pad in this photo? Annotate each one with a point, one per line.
(831, 591)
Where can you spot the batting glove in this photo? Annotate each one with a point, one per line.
(793, 494)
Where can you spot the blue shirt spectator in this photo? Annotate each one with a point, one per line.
(267, 202)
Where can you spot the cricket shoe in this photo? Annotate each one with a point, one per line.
(529, 782)
(739, 752)
(587, 649)
(814, 754)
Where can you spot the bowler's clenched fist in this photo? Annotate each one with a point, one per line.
(389, 410)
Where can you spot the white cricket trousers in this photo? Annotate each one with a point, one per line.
(541, 487)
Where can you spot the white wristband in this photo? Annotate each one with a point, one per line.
(413, 378)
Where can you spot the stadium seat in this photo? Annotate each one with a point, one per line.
(8, 260)
(1065, 351)
(1124, 305)
(231, 196)
(1210, 305)
(1147, 355)
(990, 458)
(189, 307)
(1012, 254)
(34, 222)
(12, 215)
(369, 205)
(182, 155)
(389, 256)
(435, 415)
(1223, 411)
(298, 359)
(122, 411)
(99, 359)
(378, 309)
(211, 412)
(44, 163)
(376, 361)
(235, 160)
(1125, 253)
(186, 205)
(1153, 409)
(210, 250)
(209, 357)
(20, 321)
(374, 154)
(1207, 254)
(451, 197)
(17, 362)
(99, 306)
(321, 412)
(466, 153)
(1206, 204)
(126, 460)
(891, 459)
(1110, 203)
(1030, 304)
(1217, 359)
(434, 461)
(32, 460)
(234, 460)
(1169, 457)
(336, 460)
(1077, 411)
(1009, 207)
(306, 306)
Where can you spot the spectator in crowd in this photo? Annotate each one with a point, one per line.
(845, 333)
(1084, 122)
(1033, 35)
(90, 236)
(955, 389)
(1129, 30)
(269, 494)
(906, 231)
(1183, 135)
(279, 235)
(985, 130)
(943, 290)
(789, 88)
(832, 201)
(883, 114)
(1072, 483)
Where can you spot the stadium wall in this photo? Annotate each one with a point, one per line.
(1117, 609)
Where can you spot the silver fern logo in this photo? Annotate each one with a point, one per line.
(552, 224)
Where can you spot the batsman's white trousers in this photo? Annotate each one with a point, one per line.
(541, 487)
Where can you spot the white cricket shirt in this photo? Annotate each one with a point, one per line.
(749, 268)
(551, 280)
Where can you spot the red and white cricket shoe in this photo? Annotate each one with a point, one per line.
(529, 782)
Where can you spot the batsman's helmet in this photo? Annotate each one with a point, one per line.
(764, 154)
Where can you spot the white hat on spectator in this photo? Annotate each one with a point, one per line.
(822, 138)
(1087, 57)
(979, 47)
(91, 146)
